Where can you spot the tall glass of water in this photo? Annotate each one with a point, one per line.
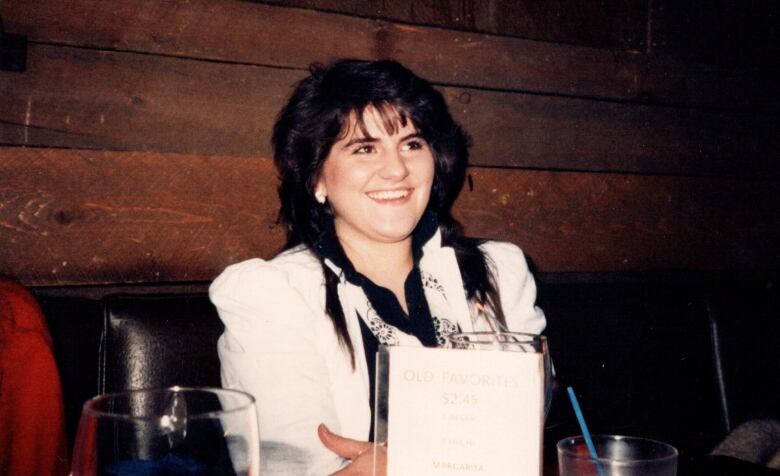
(510, 342)
(181, 431)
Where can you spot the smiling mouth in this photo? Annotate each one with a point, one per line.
(385, 195)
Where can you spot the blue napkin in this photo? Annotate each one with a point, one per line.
(170, 465)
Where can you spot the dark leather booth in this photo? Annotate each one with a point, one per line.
(159, 341)
(683, 360)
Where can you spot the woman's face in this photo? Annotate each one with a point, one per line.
(377, 185)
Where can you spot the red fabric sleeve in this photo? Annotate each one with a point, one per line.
(32, 434)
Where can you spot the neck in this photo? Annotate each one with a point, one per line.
(386, 264)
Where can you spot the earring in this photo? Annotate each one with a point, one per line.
(319, 195)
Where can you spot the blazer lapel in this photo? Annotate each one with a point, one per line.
(449, 300)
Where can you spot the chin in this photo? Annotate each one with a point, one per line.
(393, 235)
(397, 227)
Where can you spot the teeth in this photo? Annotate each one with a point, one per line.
(388, 194)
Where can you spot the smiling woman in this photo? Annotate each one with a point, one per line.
(377, 181)
(370, 161)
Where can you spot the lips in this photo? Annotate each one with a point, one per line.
(386, 195)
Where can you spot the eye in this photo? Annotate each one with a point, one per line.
(364, 149)
(414, 144)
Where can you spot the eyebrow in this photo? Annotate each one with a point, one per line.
(413, 135)
(360, 140)
(371, 140)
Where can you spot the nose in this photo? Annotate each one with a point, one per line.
(393, 166)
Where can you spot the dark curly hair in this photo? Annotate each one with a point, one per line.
(318, 114)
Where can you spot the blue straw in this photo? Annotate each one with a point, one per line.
(584, 427)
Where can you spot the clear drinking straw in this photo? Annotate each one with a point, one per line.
(585, 433)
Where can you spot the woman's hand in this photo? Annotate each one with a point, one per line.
(361, 453)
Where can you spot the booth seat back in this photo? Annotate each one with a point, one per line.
(153, 341)
(679, 361)
(132, 341)
(640, 357)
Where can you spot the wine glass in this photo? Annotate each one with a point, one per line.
(509, 342)
(176, 431)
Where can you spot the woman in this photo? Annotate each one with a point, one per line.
(370, 161)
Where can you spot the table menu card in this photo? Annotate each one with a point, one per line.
(459, 412)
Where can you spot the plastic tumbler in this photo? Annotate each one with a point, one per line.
(617, 456)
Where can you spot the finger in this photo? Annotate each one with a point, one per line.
(344, 447)
(350, 470)
(367, 464)
(360, 466)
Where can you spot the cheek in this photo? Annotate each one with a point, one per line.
(427, 173)
(330, 176)
(428, 178)
(342, 180)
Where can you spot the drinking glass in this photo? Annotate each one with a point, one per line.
(170, 431)
(509, 342)
(617, 456)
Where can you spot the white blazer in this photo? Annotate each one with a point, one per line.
(280, 346)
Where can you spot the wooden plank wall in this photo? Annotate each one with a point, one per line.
(135, 148)
(725, 33)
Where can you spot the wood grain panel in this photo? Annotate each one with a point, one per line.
(72, 97)
(520, 130)
(724, 33)
(235, 31)
(87, 217)
(613, 222)
(70, 217)
(616, 24)
(77, 98)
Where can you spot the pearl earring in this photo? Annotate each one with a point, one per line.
(319, 195)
